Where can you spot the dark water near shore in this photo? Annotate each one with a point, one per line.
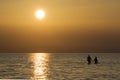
(64, 66)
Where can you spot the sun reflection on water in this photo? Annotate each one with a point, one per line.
(40, 66)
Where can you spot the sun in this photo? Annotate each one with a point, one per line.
(40, 14)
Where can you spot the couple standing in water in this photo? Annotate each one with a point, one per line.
(89, 59)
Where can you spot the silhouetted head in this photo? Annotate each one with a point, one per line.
(95, 56)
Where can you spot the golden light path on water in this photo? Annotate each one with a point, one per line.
(40, 66)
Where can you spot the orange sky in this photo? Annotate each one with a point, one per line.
(60, 12)
(69, 25)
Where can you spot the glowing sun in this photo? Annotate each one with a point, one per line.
(40, 14)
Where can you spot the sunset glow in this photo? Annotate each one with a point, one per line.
(40, 14)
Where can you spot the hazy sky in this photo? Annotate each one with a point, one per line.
(69, 26)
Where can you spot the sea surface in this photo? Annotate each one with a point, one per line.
(59, 66)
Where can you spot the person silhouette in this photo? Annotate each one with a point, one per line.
(89, 59)
(96, 60)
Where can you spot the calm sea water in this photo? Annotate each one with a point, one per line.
(64, 66)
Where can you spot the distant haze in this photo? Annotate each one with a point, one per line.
(69, 26)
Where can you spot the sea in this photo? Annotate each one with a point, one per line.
(59, 66)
